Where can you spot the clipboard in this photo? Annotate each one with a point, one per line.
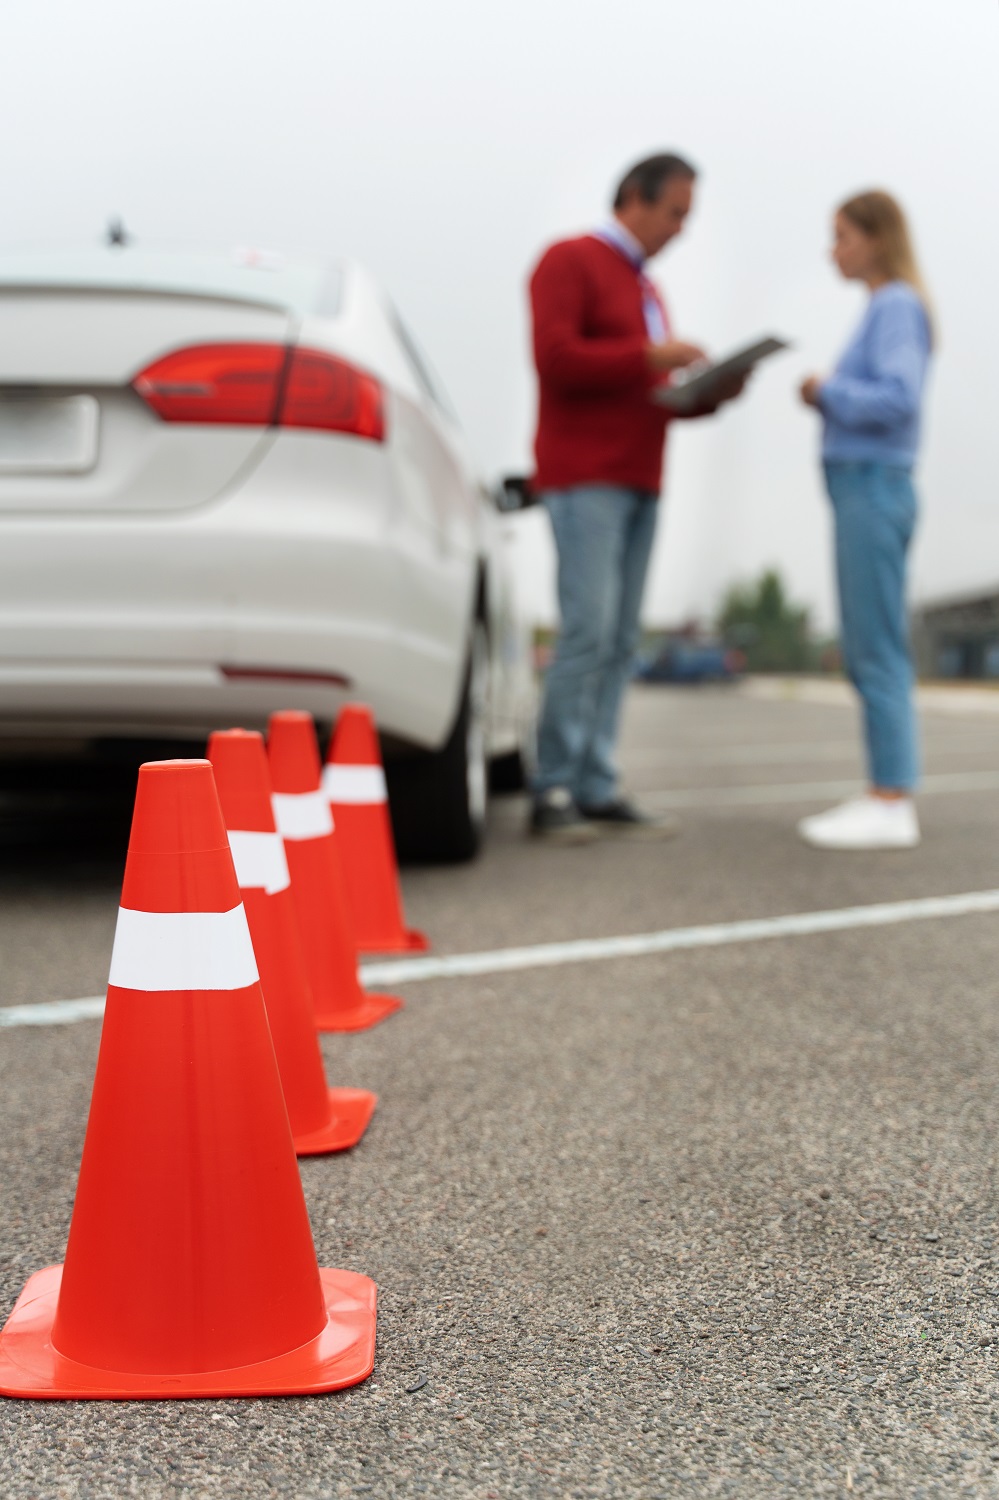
(696, 385)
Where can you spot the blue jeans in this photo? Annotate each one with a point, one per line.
(874, 506)
(603, 536)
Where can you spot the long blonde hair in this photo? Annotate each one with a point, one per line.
(880, 216)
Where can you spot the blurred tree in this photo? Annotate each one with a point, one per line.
(759, 620)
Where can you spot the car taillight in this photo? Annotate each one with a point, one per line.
(234, 384)
(263, 385)
(325, 392)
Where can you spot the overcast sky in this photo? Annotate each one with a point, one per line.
(445, 142)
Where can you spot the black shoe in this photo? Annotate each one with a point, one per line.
(622, 816)
(556, 817)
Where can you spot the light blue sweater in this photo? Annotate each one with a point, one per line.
(871, 402)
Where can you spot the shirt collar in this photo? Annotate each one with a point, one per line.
(613, 232)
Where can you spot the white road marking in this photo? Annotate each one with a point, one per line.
(53, 1012)
(809, 791)
(845, 752)
(945, 698)
(586, 950)
(719, 934)
(639, 759)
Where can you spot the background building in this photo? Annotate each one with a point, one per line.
(958, 637)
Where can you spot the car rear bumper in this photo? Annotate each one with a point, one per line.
(286, 592)
(95, 699)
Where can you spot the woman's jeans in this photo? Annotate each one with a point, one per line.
(603, 536)
(874, 506)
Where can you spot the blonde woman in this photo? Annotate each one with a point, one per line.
(871, 407)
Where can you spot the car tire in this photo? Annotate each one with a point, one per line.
(438, 801)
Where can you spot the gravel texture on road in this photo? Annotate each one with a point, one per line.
(715, 1222)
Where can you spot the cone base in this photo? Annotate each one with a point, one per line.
(342, 1354)
(406, 940)
(372, 1009)
(350, 1112)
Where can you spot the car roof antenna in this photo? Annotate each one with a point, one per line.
(117, 235)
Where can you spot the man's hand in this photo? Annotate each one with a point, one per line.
(732, 386)
(726, 390)
(673, 355)
(809, 390)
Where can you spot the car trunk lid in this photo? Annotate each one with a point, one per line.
(75, 334)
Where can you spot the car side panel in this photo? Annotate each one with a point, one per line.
(434, 549)
(513, 693)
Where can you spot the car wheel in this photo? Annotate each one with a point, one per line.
(438, 801)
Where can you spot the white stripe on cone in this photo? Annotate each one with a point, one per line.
(302, 815)
(356, 784)
(260, 860)
(182, 950)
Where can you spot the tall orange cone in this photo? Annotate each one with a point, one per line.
(190, 1269)
(304, 820)
(354, 783)
(322, 1119)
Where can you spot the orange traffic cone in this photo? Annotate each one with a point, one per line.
(190, 1269)
(354, 783)
(322, 1119)
(304, 820)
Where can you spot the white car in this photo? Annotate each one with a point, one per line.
(229, 485)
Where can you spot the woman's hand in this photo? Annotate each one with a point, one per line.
(809, 390)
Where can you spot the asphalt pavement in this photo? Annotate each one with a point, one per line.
(720, 1220)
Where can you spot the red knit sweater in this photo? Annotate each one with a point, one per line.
(595, 419)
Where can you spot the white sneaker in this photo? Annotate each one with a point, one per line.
(865, 823)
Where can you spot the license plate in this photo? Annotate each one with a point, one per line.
(48, 434)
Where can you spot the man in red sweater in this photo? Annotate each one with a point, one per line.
(602, 342)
